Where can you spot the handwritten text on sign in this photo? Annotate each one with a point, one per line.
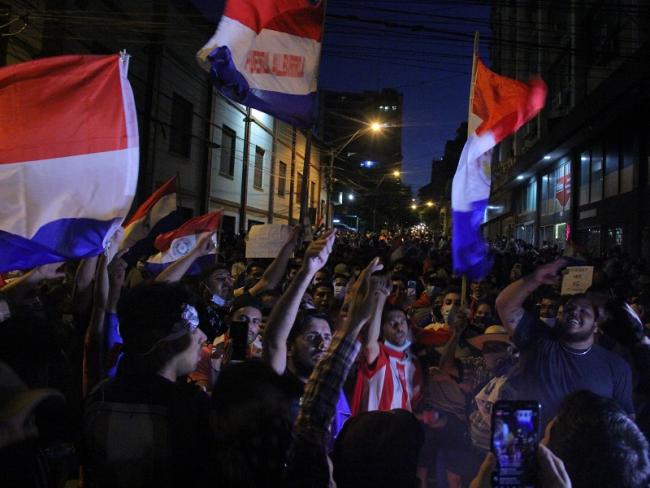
(577, 279)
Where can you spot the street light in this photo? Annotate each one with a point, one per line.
(396, 173)
(429, 204)
(351, 197)
(414, 207)
(376, 126)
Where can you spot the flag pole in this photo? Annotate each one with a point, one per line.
(304, 214)
(463, 284)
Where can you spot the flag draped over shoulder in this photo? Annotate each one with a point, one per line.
(178, 243)
(68, 157)
(265, 55)
(499, 107)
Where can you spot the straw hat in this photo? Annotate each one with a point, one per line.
(493, 333)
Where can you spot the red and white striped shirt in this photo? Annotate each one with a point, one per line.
(393, 381)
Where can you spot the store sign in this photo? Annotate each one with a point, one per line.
(563, 189)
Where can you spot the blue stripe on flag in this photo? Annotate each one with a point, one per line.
(198, 266)
(469, 249)
(298, 110)
(60, 240)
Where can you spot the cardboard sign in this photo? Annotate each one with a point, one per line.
(576, 279)
(266, 240)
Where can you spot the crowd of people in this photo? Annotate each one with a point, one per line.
(354, 359)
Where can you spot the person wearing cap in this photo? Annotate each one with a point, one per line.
(147, 426)
(465, 436)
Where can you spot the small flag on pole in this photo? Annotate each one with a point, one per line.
(178, 243)
(143, 222)
(265, 55)
(499, 106)
(68, 157)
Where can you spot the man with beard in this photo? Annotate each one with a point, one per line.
(556, 362)
(295, 340)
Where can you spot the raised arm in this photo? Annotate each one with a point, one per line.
(274, 273)
(285, 311)
(175, 271)
(308, 455)
(510, 302)
(94, 339)
(371, 336)
(447, 363)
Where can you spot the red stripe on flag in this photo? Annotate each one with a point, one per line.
(505, 104)
(61, 106)
(295, 17)
(168, 187)
(204, 223)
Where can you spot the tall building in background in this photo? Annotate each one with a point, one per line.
(350, 115)
(578, 170)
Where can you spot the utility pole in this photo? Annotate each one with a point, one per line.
(244, 173)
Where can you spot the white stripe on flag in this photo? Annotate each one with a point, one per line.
(98, 186)
(139, 229)
(240, 39)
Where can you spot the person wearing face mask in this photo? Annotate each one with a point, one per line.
(389, 374)
(548, 307)
(340, 285)
(450, 299)
(465, 435)
(217, 290)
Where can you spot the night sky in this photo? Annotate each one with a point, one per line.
(421, 48)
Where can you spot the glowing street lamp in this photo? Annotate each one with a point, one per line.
(429, 204)
(414, 207)
(396, 173)
(376, 126)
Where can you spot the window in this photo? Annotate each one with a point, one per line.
(299, 189)
(556, 189)
(596, 174)
(312, 194)
(584, 178)
(629, 151)
(611, 169)
(259, 168)
(228, 140)
(180, 134)
(282, 179)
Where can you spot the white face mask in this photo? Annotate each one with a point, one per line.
(217, 300)
(339, 291)
(401, 348)
(550, 321)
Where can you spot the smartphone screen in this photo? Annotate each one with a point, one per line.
(515, 437)
(239, 336)
(411, 288)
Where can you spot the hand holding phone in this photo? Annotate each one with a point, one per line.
(239, 339)
(514, 443)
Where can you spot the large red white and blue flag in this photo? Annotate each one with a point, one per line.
(265, 55)
(178, 243)
(499, 106)
(68, 157)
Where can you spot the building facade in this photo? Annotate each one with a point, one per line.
(186, 128)
(579, 170)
